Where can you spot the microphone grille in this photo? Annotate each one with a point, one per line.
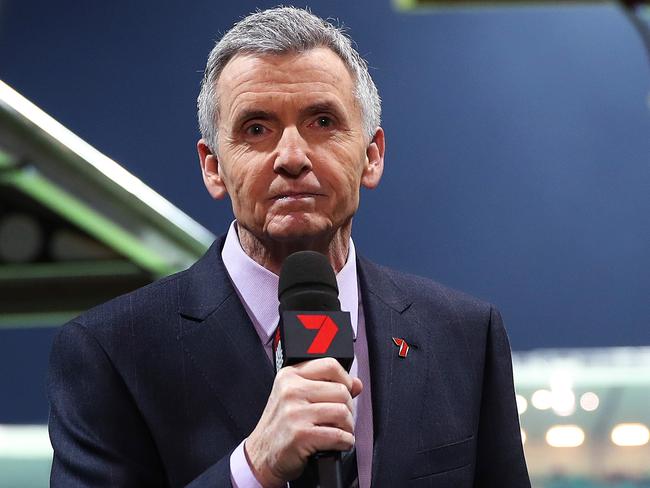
(305, 271)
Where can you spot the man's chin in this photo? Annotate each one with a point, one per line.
(297, 230)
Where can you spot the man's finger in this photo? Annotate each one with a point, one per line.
(324, 369)
(327, 391)
(357, 387)
(325, 438)
(331, 415)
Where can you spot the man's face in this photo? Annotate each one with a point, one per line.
(291, 153)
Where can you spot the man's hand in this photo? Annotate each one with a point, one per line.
(309, 410)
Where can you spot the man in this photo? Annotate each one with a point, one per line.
(173, 384)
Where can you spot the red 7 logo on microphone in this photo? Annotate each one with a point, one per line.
(327, 330)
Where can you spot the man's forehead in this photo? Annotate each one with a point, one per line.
(253, 73)
(285, 63)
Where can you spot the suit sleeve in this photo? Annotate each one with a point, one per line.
(98, 435)
(500, 457)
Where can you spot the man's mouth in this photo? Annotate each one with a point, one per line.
(295, 196)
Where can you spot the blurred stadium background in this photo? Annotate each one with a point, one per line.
(527, 129)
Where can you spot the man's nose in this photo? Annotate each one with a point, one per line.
(291, 156)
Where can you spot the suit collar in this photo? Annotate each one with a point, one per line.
(205, 284)
(375, 280)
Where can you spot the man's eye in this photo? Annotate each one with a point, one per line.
(324, 122)
(255, 130)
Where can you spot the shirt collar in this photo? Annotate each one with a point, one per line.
(257, 287)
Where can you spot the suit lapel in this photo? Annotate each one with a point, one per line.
(397, 382)
(221, 342)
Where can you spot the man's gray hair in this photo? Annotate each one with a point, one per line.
(284, 30)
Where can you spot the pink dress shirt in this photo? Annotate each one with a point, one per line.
(257, 288)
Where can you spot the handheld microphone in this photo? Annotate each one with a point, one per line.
(313, 326)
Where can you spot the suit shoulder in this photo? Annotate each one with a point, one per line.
(140, 306)
(154, 308)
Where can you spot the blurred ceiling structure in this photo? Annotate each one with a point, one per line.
(76, 228)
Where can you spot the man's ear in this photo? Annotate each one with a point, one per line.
(374, 166)
(211, 172)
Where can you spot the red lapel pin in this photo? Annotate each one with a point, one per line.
(403, 347)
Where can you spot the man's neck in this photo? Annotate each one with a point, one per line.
(272, 254)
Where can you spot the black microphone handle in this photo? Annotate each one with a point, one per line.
(329, 469)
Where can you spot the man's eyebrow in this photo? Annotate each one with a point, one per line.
(320, 107)
(250, 114)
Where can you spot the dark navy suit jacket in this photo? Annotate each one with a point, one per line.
(157, 387)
